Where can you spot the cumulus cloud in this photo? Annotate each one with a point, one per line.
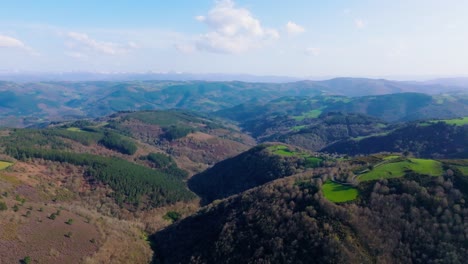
(312, 51)
(109, 48)
(359, 23)
(232, 30)
(10, 42)
(294, 29)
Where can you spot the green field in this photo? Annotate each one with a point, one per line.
(5, 164)
(75, 129)
(391, 157)
(311, 114)
(313, 162)
(463, 169)
(371, 135)
(282, 151)
(339, 193)
(398, 169)
(297, 128)
(309, 161)
(455, 121)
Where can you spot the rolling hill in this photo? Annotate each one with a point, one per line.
(33, 103)
(259, 165)
(423, 140)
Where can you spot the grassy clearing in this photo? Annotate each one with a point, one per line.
(391, 157)
(282, 151)
(313, 162)
(74, 129)
(309, 161)
(371, 135)
(457, 121)
(311, 114)
(399, 169)
(463, 169)
(297, 128)
(339, 193)
(5, 164)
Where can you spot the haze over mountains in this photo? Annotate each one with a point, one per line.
(30, 103)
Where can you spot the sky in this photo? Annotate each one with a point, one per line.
(298, 38)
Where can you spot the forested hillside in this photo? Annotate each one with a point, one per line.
(416, 219)
(252, 168)
(421, 139)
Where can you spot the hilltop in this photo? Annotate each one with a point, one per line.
(257, 166)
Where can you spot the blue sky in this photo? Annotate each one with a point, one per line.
(293, 38)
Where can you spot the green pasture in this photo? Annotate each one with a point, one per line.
(339, 193)
(399, 169)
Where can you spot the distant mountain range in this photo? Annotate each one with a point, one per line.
(147, 76)
(30, 103)
(19, 76)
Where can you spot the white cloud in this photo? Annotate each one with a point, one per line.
(294, 29)
(10, 42)
(200, 18)
(312, 51)
(233, 30)
(359, 23)
(109, 48)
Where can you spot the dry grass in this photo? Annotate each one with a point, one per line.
(121, 242)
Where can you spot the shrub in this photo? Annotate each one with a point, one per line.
(172, 216)
(26, 260)
(3, 206)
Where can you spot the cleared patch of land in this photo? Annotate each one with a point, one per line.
(457, 121)
(463, 169)
(282, 150)
(297, 128)
(400, 168)
(5, 164)
(339, 193)
(285, 151)
(391, 157)
(311, 114)
(75, 129)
